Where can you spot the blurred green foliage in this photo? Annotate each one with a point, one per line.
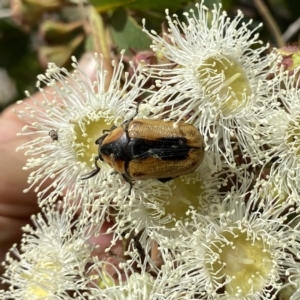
(56, 32)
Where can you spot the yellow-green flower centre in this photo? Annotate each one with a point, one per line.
(184, 195)
(86, 148)
(37, 291)
(245, 261)
(293, 136)
(225, 83)
(39, 284)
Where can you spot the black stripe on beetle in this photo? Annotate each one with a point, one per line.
(150, 149)
(163, 148)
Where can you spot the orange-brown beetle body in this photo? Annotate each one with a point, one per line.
(151, 149)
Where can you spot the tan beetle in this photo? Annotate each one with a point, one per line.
(150, 149)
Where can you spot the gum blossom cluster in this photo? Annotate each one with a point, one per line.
(227, 230)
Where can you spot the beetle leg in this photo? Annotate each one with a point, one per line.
(93, 173)
(134, 239)
(127, 179)
(136, 113)
(137, 245)
(137, 109)
(130, 187)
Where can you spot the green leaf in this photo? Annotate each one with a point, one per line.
(126, 32)
(159, 5)
(105, 5)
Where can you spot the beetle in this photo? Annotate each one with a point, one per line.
(150, 149)
(54, 135)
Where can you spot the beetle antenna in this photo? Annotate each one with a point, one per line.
(100, 140)
(93, 173)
